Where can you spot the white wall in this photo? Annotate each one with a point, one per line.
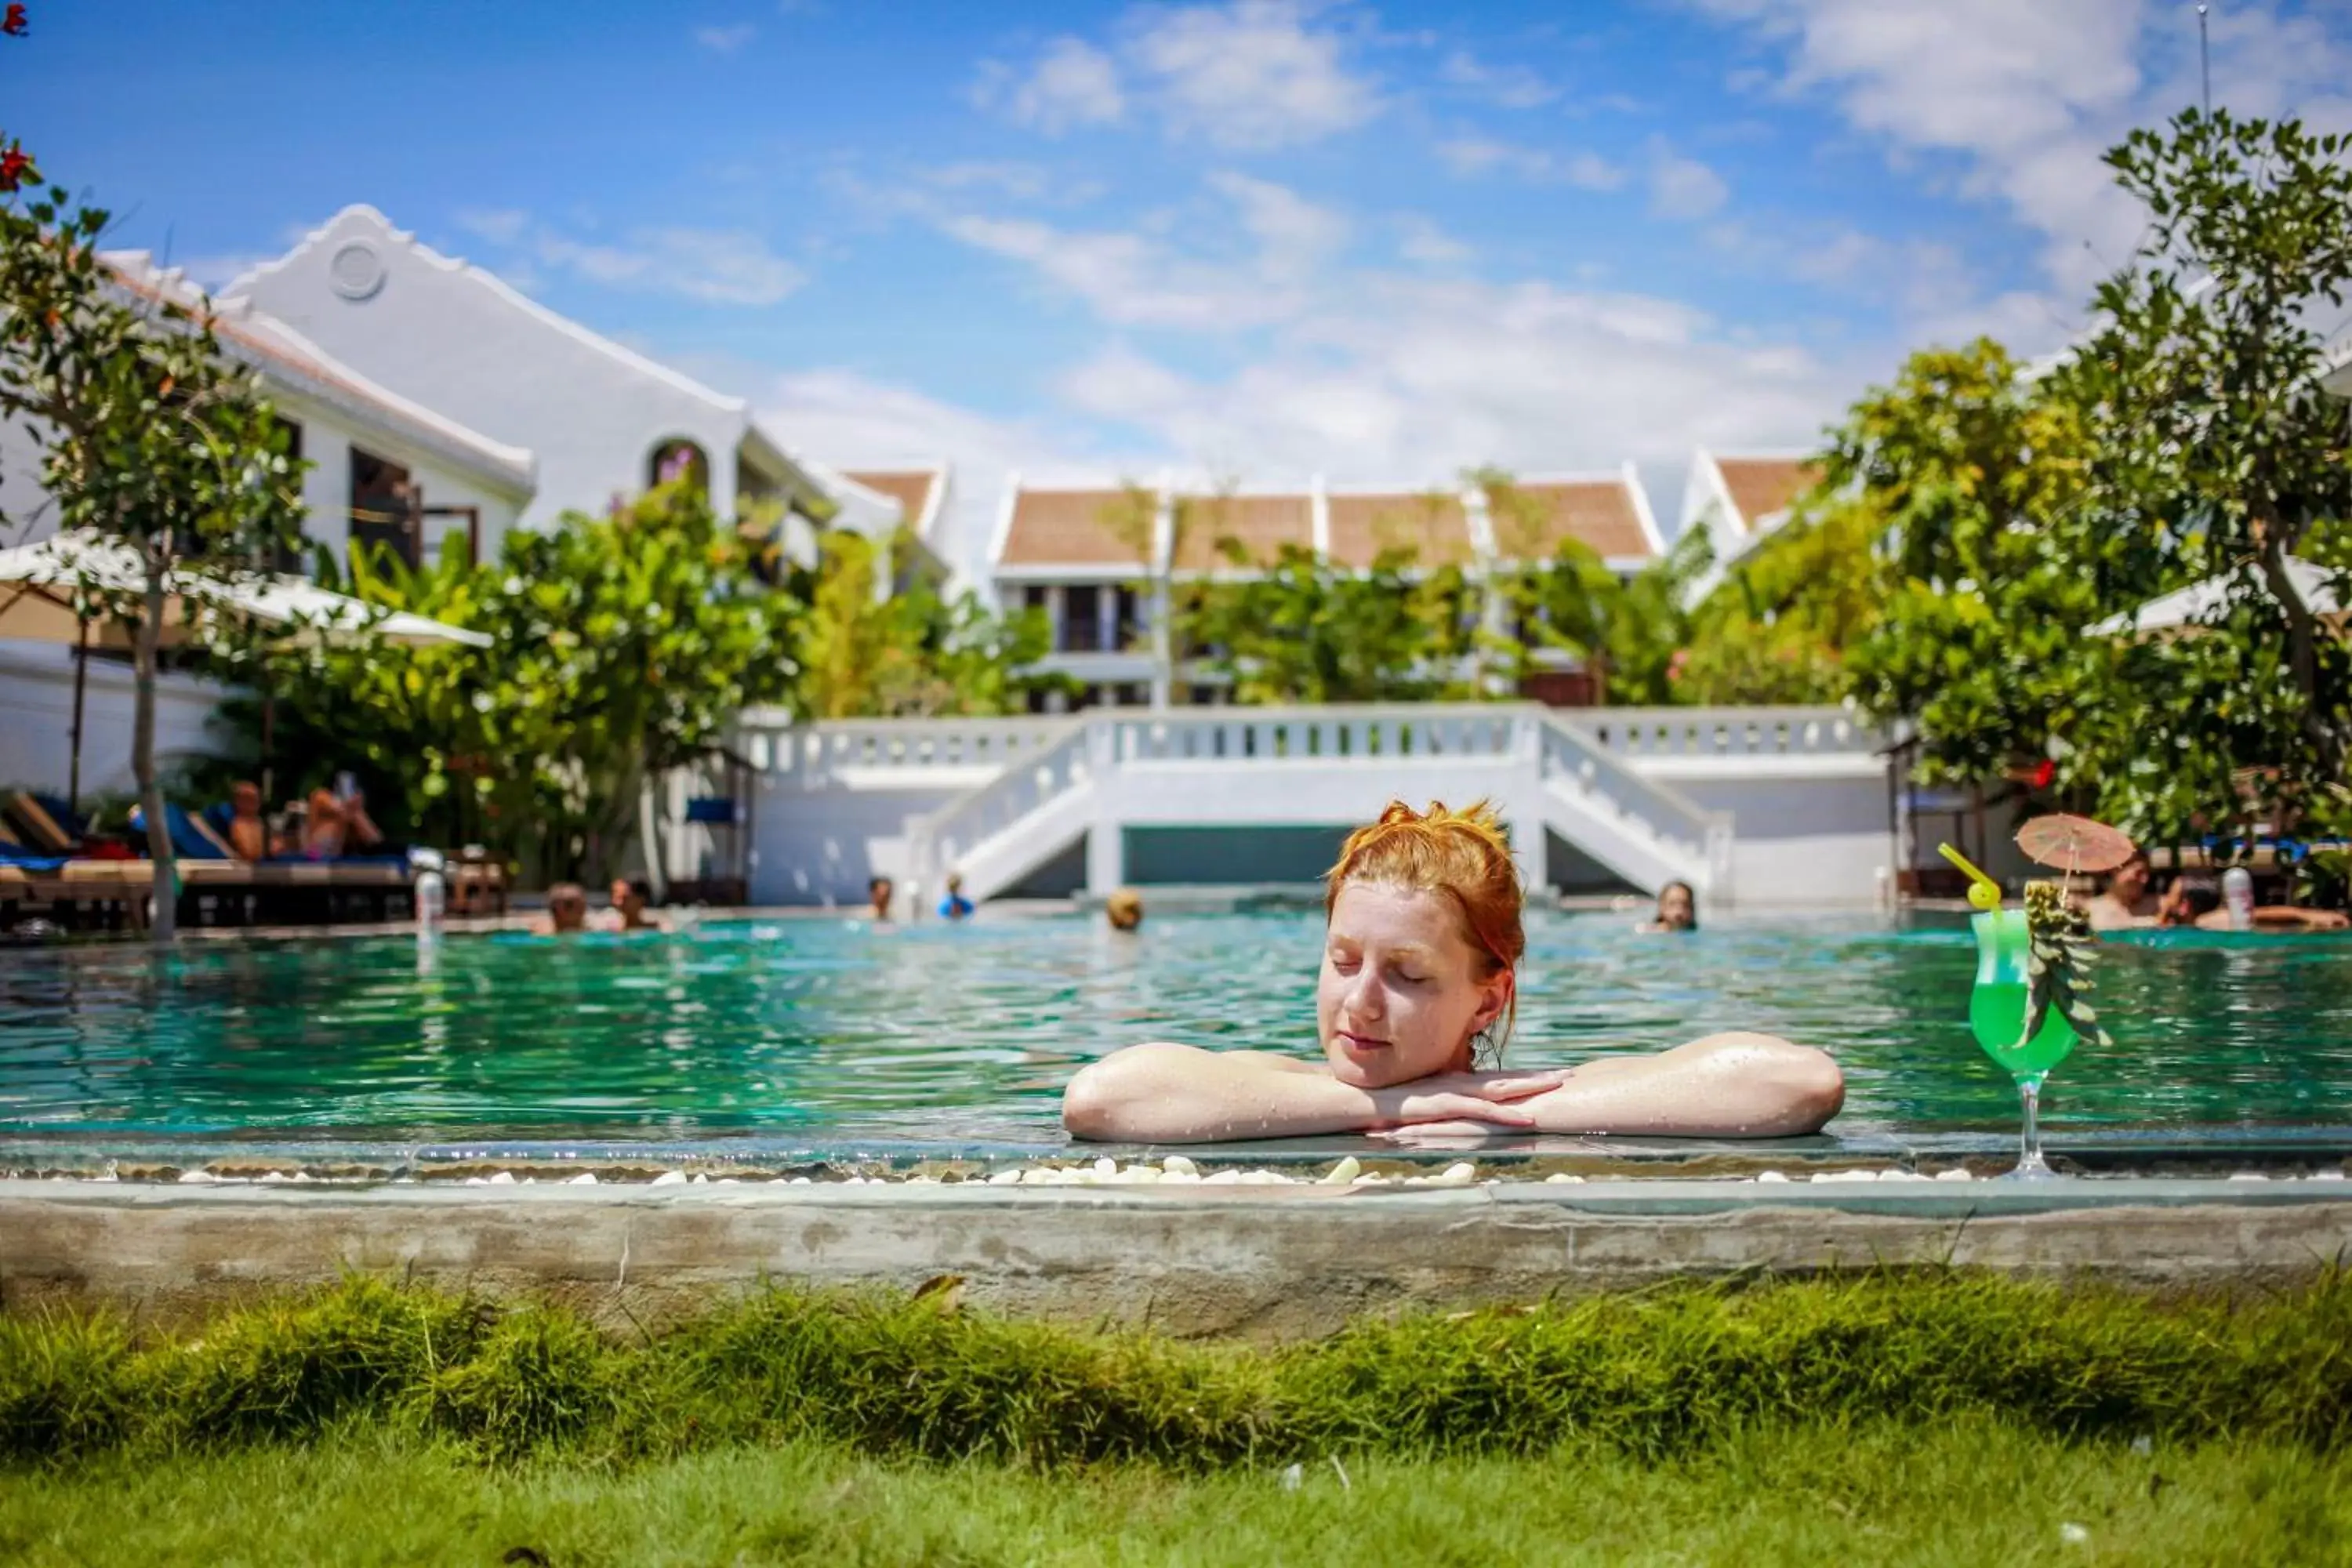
(1803, 841)
(821, 848)
(457, 341)
(37, 719)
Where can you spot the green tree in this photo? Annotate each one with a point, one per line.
(150, 439)
(1776, 628)
(864, 652)
(2213, 451)
(1962, 471)
(1302, 629)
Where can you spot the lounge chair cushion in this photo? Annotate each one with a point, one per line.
(13, 854)
(39, 824)
(192, 837)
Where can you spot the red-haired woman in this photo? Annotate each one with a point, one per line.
(1419, 984)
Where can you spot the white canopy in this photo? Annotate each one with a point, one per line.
(2195, 603)
(37, 584)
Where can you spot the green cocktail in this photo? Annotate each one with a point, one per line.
(1997, 1015)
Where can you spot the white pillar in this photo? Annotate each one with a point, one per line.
(1105, 858)
(1056, 613)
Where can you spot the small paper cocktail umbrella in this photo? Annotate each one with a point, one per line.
(2072, 844)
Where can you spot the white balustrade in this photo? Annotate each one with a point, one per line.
(1728, 733)
(1392, 734)
(818, 755)
(1572, 759)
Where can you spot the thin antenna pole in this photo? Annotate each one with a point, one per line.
(2205, 60)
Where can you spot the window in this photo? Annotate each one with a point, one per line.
(678, 458)
(1082, 618)
(386, 508)
(1128, 622)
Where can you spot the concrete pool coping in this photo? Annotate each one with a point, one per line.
(1270, 1261)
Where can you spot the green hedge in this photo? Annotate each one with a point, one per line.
(1653, 1373)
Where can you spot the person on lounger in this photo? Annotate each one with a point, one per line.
(1416, 995)
(249, 835)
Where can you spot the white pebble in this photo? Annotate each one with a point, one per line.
(197, 1177)
(670, 1179)
(1957, 1174)
(584, 1179)
(273, 1175)
(1139, 1175)
(1369, 1179)
(798, 1182)
(1224, 1179)
(922, 1181)
(1345, 1171)
(1005, 1178)
(1904, 1176)
(1180, 1178)
(1461, 1173)
(2248, 1176)
(1265, 1179)
(1178, 1165)
(1106, 1168)
(1770, 1176)
(502, 1178)
(1845, 1175)
(701, 1178)
(477, 1182)
(2336, 1175)
(1562, 1179)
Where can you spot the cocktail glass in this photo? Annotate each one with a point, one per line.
(1997, 1015)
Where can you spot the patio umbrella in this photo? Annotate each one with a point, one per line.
(2071, 843)
(41, 588)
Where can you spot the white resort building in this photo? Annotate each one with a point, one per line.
(1099, 559)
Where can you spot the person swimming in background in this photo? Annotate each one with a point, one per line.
(955, 906)
(2194, 900)
(1414, 1001)
(567, 910)
(2127, 900)
(879, 891)
(1124, 910)
(1677, 910)
(628, 910)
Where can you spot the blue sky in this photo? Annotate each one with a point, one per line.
(1254, 239)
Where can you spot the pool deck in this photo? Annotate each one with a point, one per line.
(1258, 1262)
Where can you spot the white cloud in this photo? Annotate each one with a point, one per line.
(1072, 84)
(1249, 75)
(2028, 95)
(1683, 187)
(1265, 243)
(502, 226)
(1425, 243)
(725, 40)
(848, 420)
(1505, 87)
(714, 266)
(1413, 379)
(1470, 156)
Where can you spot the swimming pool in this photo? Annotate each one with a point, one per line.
(818, 1033)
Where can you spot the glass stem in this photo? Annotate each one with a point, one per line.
(2029, 1150)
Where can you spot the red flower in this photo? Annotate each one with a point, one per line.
(14, 23)
(15, 164)
(2043, 772)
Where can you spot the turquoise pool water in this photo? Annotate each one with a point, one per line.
(820, 1030)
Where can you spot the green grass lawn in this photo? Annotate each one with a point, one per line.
(1971, 1492)
(1930, 1417)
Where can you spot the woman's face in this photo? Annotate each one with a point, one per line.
(1400, 994)
(1675, 907)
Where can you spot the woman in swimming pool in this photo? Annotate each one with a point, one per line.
(1417, 994)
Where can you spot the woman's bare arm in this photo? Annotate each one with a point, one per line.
(1725, 1086)
(1180, 1094)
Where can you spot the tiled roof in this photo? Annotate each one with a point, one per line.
(910, 487)
(1431, 523)
(1260, 524)
(1760, 487)
(1531, 518)
(1078, 528)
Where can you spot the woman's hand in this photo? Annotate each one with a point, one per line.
(1482, 1098)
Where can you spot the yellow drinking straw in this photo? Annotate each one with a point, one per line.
(1984, 893)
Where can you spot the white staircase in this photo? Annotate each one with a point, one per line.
(1315, 766)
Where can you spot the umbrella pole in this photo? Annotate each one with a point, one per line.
(81, 681)
(268, 724)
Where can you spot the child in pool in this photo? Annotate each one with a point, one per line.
(1420, 979)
